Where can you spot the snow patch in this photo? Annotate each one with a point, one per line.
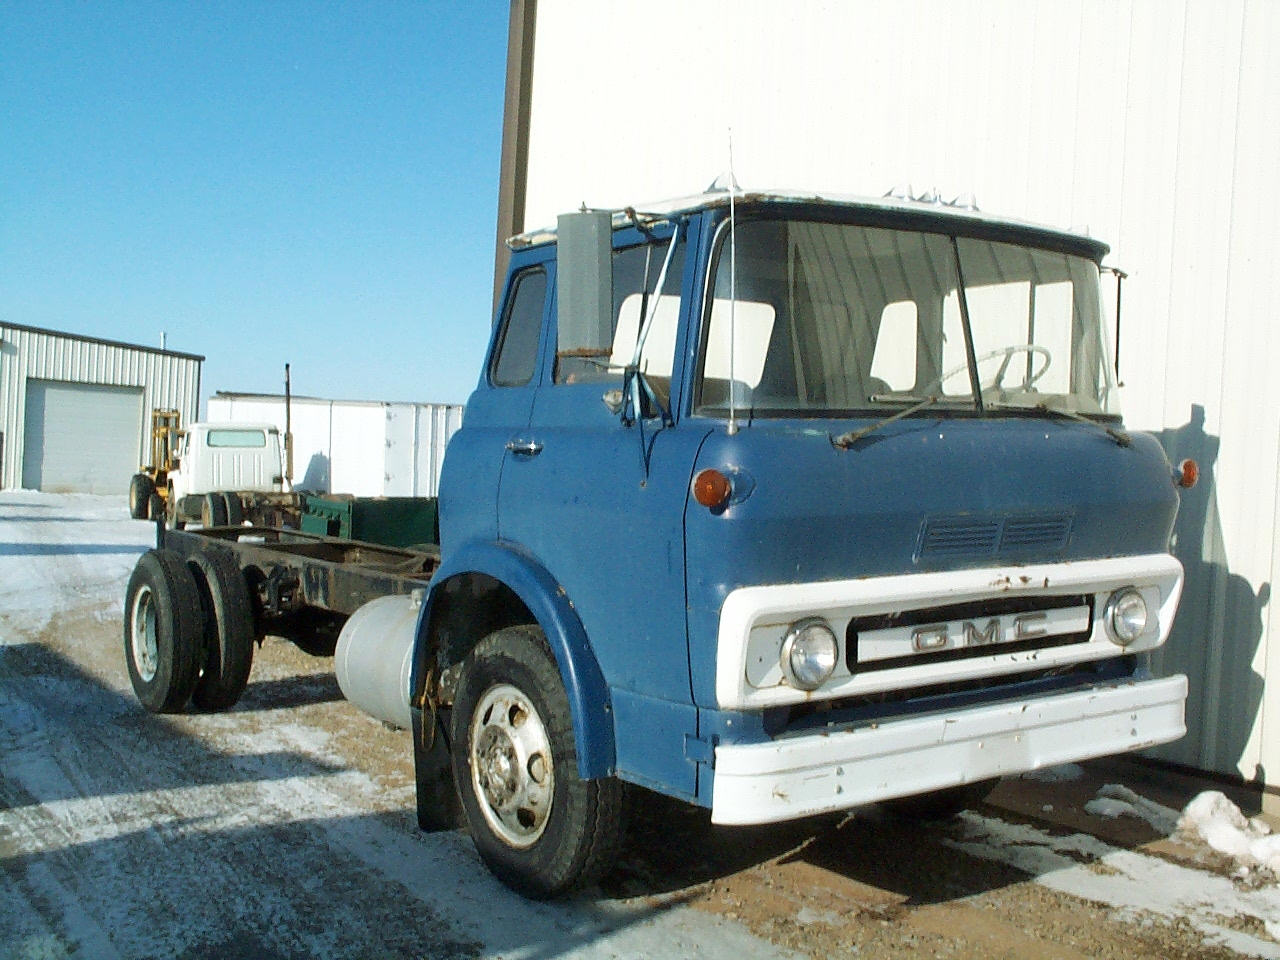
(1219, 823)
(1129, 881)
(1116, 800)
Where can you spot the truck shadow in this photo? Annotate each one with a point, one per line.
(296, 691)
(671, 846)
(128, 834)
(1219, 625)
(79, 739)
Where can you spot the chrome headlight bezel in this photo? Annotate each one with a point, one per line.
(810, 653)
(1126, 616)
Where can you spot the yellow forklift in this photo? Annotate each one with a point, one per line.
(150, 485)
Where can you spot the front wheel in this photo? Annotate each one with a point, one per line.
(141, 489)
(539, 827)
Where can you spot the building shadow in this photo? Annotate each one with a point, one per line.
(1219, 625)
(128, 834)
(316, 479)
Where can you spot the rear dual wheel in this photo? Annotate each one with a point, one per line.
(188, 632)
(228, 631)
(162, 628)
(221, 509)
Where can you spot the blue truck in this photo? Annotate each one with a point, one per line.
(777, 504)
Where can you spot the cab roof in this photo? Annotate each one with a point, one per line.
(929, 213)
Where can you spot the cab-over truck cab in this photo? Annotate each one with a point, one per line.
(218, 461)
(821, 503)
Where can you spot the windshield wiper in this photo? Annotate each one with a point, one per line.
(847, 440)
(1119, 436)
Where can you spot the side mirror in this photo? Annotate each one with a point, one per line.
(584, 279)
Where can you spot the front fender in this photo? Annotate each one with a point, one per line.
(583, 681)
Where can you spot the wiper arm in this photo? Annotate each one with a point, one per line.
(1119, 436)
(847, 440)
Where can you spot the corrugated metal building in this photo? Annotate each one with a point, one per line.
(1157, 124)
(75, 411)
(366, 448)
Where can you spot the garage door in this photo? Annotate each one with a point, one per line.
(80, 437)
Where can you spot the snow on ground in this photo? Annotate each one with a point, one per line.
(58, 550)
(1219, 822)
(1129, 881)
(1117, 800)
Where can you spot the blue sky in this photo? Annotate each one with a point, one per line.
(263, 182)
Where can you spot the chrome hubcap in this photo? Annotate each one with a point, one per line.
(511, 767)
(142, 634)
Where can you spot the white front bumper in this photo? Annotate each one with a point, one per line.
(825, 771)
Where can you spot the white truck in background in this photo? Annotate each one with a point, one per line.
(216, 474)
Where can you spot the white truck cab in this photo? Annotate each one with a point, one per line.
(222, 457)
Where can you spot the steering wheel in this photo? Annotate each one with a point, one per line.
(1007, 352)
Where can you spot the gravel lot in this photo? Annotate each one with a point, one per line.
(285, 828)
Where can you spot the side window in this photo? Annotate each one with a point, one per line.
(517, 349)
(604, 361)
(893, 364)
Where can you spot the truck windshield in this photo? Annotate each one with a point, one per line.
(834, 318)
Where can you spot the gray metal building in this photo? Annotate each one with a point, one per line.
(75, 411)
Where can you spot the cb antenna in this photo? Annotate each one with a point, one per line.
(733, 288)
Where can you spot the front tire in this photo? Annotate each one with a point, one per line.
(162, 631)
(539, 827)
(141, 488)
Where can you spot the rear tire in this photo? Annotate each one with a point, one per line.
(539, 827)
(235, 509)
(213, 510)
(155, 507)
(141, 487)
(172, 514)
(162, 628)
(228, 631)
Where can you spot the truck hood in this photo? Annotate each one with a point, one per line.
(922, 494)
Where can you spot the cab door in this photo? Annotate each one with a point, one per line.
(497, 412)
(600, 502)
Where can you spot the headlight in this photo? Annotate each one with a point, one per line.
(1125, 616)
(809, 653)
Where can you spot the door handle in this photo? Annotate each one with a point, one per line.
(524, 448)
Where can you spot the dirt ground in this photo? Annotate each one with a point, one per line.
(285, 828)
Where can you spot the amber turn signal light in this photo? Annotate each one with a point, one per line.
(712, 489)
(1187, 475)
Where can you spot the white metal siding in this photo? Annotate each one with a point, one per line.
(165, 379)
(1154, 122)
(368, 449)
(80, 438)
